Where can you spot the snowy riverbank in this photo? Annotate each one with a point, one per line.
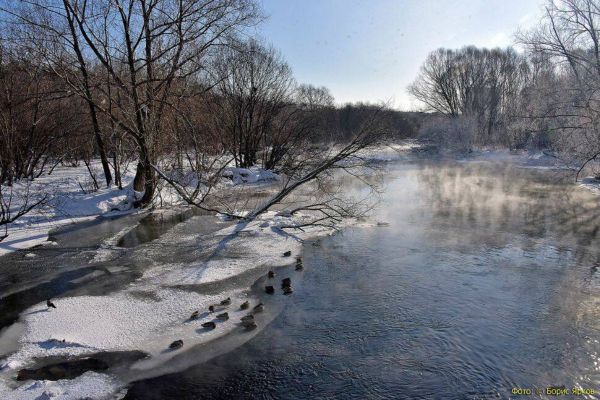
(153, 311)
(68, 204)
(125, 321)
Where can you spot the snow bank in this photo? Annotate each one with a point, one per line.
(249, 175)
(122, 321)
(67, 204)
(539, 159)
(257, 244)
(592, 184)
(391, 152)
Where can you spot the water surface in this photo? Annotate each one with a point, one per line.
(485, 279)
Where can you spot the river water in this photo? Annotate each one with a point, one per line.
(479, 279)
(486, 279)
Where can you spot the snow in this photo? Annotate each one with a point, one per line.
(249, 175)
(261, 243)
(592, 184)
(67, 204)
(121, 321)
(391, 152)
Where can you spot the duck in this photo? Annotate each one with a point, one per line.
(195, 314)
(287, 253)
(50, 304)
(209, 325)
(271, 274)
(248, 317)
(224, 316)
(226, 302)
(287, 290)
(211, 308)
(286, 282)
(250, 325)
(299, 266)
(176, 344)
(259, 307)
(245, 305)
(269, 289)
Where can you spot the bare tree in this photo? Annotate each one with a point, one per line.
(35, 114)
(142, 53)
(478, 84)
(568, 38)
(252, 103)
(14, 205)
(313, 164)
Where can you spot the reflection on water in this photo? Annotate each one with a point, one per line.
(486, 279)
(153, 226)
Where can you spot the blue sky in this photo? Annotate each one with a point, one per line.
(372, 50)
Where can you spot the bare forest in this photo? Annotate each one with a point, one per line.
(168, 89)
(543, 94)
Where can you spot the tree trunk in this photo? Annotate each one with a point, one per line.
(88, 95)
(145, 179)
(140, 178)
(100, 145)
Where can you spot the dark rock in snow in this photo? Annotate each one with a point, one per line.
(287, 253)
(270, 289)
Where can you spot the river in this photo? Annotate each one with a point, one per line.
(479, 279)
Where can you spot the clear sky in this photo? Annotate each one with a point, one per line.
(372, 50)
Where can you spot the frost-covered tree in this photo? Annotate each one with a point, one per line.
(479, 84)
(568, 104)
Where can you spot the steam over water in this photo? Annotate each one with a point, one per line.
(485, 280)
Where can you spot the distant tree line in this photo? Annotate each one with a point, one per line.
(545, 97)
(479, 85)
